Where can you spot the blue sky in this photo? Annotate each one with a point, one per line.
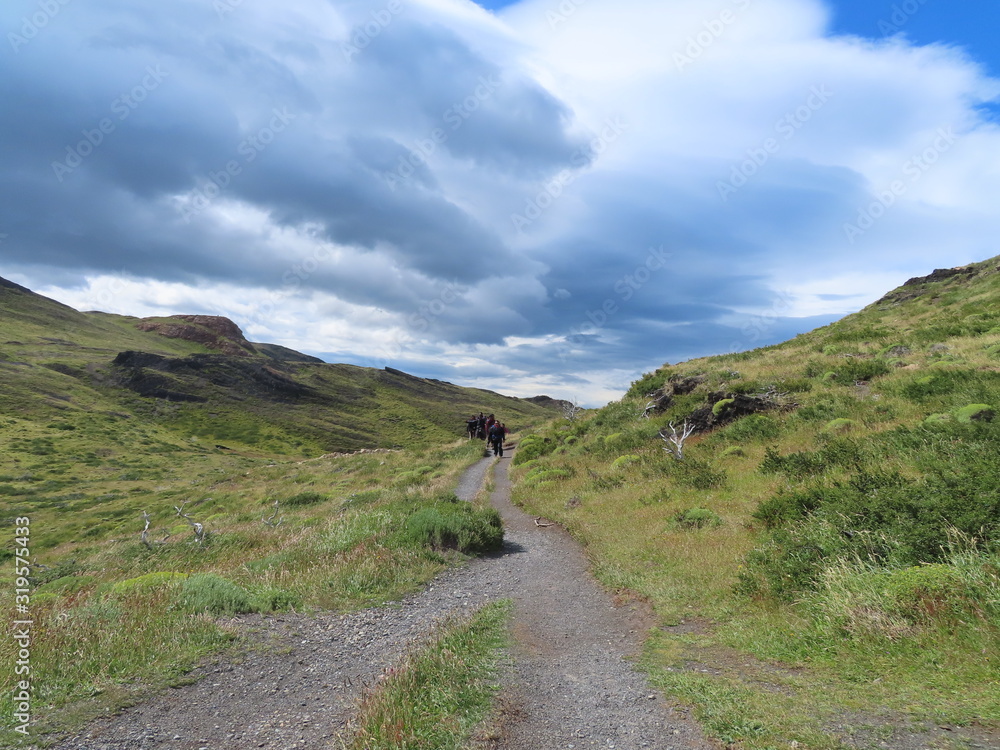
(973, 24)
(551, 197)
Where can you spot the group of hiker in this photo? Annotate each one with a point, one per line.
(488, 428)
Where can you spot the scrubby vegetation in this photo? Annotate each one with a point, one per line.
(836, 514)
(142, 614)
(441, 692)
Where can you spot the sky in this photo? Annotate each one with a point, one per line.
(544, 196)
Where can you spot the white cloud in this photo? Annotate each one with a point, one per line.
(610, 129)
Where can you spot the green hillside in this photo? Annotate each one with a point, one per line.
(171, 472)
(60, 364)
(825, 552)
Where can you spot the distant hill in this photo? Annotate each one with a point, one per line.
(197, 375)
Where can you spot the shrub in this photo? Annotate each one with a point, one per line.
(975, 413)
(785, 507)
(734, 451)
(276, 600)
(540, 474)
(753, 427)
(456, 526)
(822, 410)
(925, 591)
(649, 382)
(836, 426)
(615, 438)
(861, 369)
(695, 473)
(697, 518)
(532, 447)
(793, 465)
(207, 592)
(305, 498)
(622, 461)
(145, 584)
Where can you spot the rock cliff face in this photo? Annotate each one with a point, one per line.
(213, 331)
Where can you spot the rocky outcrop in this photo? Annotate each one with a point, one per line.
(201, 377)
(211, 331)
(549, 403)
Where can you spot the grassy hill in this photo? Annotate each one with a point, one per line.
(197, 377)
(824, 553)
(172, 471)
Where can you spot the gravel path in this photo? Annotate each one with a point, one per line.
(570, 687)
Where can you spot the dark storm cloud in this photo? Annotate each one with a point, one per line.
(112, 113)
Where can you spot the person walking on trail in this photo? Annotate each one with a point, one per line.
(497, 435)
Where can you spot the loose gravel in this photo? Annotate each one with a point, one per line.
(571, 684)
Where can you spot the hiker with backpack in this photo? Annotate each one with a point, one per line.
(496, 436)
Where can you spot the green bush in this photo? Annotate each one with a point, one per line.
(926, 591)
(455, 526)
(695, 473)
(839, 452)
(785, 507)
(697, 518)
(622, 461)
(207, 592)
(837, 426)
(935, 419)
(147, 583)
(880, 515)
(276, 600)
(305, 498)
(856, 368)
(753, 427)
(649, 382)
(733, 451)
(540, 474)
(532, 447)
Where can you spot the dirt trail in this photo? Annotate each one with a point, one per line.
(571, 685)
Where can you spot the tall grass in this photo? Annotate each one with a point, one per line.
(115, 616)
(831, 555)
(437, 696)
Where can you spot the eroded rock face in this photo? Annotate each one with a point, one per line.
(212, 331)
(196, 377)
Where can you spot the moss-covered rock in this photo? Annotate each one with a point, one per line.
(975, 413)
(720, 407)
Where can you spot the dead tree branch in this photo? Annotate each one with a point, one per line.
(571, 410)
(270, 520)
(199, 529)
(675, 441)
(144, 537)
